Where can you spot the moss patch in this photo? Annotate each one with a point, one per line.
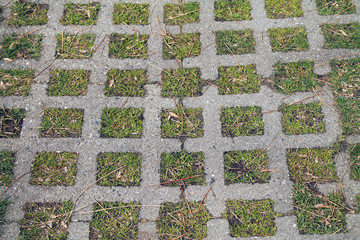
(121, 123)
(131, 14)
(128, 46)
(68, 82)
(11, 121)
(125, 169)
(54, 168)
(288, 39)
(125, 83)
(7, 162)
(312, 165)
(181, 13)
(59, 123)
(251, 218)
(20, 46)
(115, 220)
(15, 82)
(283, 8)
(180, 46)
(238, 80)
(355, 161)
(246, 167)
(182, 82)
(235, 42)
(332, 7)
(181, 165)
(232, 10)
(182, 220)
(25, 13)
(317, 214)
(302, 118)
(80, 14)
(182, 122)
(341, 35)
(75, 46)
(295, 77)
(241, 121)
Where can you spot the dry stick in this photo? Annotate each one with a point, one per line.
(187, 203)
(45, 68)
(111, 208)
(171, 181)
(321, 100)
(202, 201)
(100, 43)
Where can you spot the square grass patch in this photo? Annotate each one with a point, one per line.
(24, 13)
(20, 46)
(232, 10)
(129, 83)
(246, 167)
(54, 169)
(74, 46)
(11, 121)
(230, 42)
(131, 14)
(115, 220)
(355, 161)
(182, 221)
(341, 35)
(68, 82)
(3, 207)
(182, 168)
(241, 121)
(238, 80)
(335, 7)
(295, 77)
(182, 122)
(317, 214)
(251, 218)
(182, 82)
(7, 162)
(302, 118)
(345, 82)
(121, 123)
(180, 46)
(288, 39)
(311, 165)
(60, 123)
(128, 46)
(119, 169)
(46, 220)
(80, 14)
(283, 8)
(16, 82)
(181, 13)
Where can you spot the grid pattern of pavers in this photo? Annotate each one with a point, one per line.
(151, 144)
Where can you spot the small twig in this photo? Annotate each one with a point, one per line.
(203, 199)
(100, 43)
(45, 68)
(177, 180)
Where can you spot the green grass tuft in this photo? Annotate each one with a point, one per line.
(335, 7)
(115, 220)
(4, 203)
(241, 121)
(16, 82)
(121, 123)
(180, 165)
(182, 221)
(7, 162)
(128, 46)
(11, 121)
(181, 13)
(246, 167)
(283, 8)
(68, 82)
(355, 161)
(288, 39)
(60, 123)
(46, 220)
(235, 42)
(251, 218)
(131, 14)
(358, 202)
(302, 118)
(54, 169)
(125, 169)
(129, 83)
(180, 46)
(75, 46)
(20, 46)
(232, 10)
(26, 13)
(341, 35)
(80, 14)
(238, 80)
(182, 82)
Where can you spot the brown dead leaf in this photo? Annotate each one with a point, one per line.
(173, 115)
(321, 206)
